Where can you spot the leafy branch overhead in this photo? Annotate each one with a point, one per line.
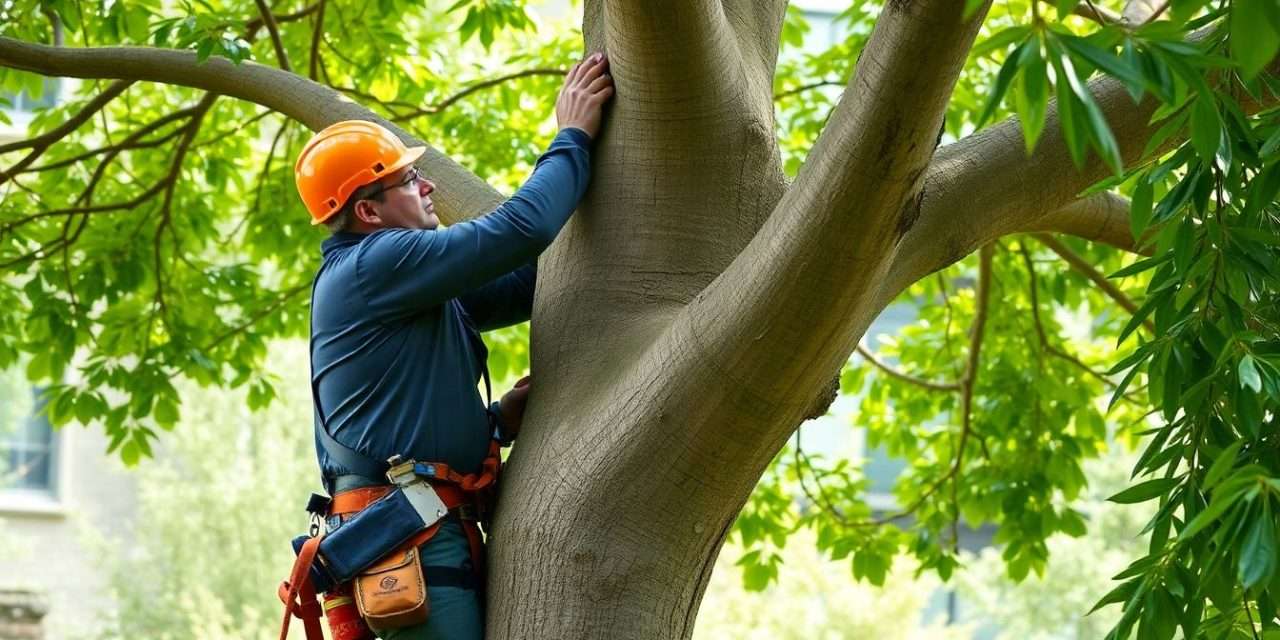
(1076, 199)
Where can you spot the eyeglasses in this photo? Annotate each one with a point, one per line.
(413, 176)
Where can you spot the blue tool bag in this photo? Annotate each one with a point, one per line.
(368, 536)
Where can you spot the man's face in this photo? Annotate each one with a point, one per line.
(406, 201)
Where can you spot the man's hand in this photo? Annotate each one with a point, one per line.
(586, 88)
(512, 407)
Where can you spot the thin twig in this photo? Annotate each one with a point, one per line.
(1088, 10)
(122, 146)
(823, 503)
(1034, 287)
(220, 136)
(1155, 15)
(1248, 615)
(166, 209)
(983, 298)
(905, 377)
(270, 21)
(807, 87)
(1078, 263)
(262, 313)
(252, 26)
(316, 36)
(485, 84)
(262, 180)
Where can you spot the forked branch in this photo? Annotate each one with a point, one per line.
(835, 228)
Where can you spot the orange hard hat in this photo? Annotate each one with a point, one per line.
(344, 157)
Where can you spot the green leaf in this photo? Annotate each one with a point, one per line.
(1248, 372)
(1258, 552)
(1031, 97)
(1001, 40)
(1003, 78)
(1221, 465)
(1114, 65)
(1206, 127)
(1118, 594)
(1068, 118)
(1144, 491)
(1171, 126)
(1217, 506)
(1254, 39)
(1140, 266)
(166, 412)
(1140, 208)
(130, 453)
(1100, 131)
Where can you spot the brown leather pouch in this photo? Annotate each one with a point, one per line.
(393, 592)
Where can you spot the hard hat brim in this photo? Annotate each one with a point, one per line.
(409, 156)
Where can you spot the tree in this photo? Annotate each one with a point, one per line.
(701, 304)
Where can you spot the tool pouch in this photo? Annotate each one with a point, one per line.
(367, 537)
(393, 592)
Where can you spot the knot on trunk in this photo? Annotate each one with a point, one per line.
(826, 396)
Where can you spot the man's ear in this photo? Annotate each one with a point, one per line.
(367, 213)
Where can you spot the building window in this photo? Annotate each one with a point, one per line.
(23, 102)
(28, 445)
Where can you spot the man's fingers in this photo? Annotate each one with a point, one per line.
(599, 83)
(603, 96)
(570, 77)
(593, 70)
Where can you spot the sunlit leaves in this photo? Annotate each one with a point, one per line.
(486, 18)
(1202, 351)
(1255, 34)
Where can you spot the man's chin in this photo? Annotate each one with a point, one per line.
(431, 222)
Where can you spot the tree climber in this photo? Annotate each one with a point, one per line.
(396, 358)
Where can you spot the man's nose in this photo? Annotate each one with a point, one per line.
(426, 187)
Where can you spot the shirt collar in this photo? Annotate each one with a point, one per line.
(340, 240)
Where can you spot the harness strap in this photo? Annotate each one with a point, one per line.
(299, 595)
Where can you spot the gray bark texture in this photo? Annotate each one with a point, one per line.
(697, 306)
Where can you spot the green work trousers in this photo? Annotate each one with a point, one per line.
(456, 613)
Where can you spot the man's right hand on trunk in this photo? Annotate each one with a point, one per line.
(586, 88)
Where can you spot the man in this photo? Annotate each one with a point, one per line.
(399, 302)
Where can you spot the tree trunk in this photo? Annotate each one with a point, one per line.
(644, 436)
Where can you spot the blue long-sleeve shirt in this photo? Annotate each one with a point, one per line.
(396, 314)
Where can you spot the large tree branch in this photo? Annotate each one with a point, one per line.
(676, 58)
(778, 318)
(460, 193)
(986, 186)
(1102, 217)
(710, 139)
(758, 24)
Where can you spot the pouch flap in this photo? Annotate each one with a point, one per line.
(394, 560)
